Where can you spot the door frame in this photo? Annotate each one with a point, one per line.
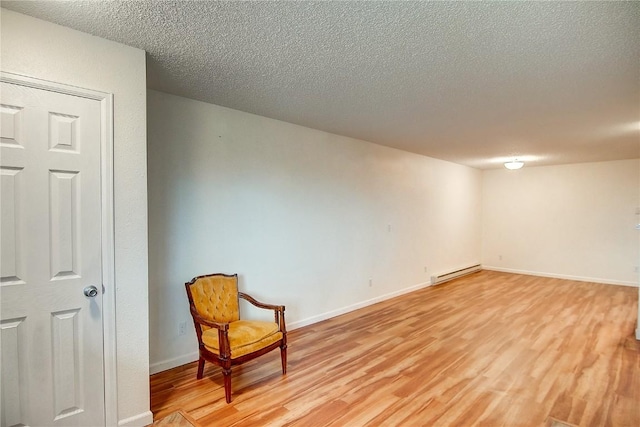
(107, 228)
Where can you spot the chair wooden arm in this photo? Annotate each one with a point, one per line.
(260, 304)
(278, 310)
(223, 333)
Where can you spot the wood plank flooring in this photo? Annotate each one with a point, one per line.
(489, 349)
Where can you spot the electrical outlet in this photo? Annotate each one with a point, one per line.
(425, 269)
(182, 328)
(636, 269)
(500, 257)
(370, 282)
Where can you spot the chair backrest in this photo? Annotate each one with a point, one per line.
(215, 297)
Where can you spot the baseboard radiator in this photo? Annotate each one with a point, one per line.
(436, 280)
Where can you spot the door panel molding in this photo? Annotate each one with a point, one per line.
(107, 226)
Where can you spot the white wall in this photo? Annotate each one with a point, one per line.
(46, 51)
(305, 217)
(573, 221)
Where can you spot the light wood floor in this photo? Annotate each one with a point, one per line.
(491, 349)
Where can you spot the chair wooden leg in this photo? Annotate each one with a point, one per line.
(200, 368)
(226, 373)
(283, 358)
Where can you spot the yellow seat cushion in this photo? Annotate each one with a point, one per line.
(245, 336)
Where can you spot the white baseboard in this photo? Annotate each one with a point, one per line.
(165, 365)
(561, 276)
(139, 420)
(333, 313)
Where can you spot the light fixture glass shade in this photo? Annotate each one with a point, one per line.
(514, 164)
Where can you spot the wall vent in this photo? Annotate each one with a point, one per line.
(445, 277)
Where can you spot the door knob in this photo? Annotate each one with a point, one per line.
(90, 291)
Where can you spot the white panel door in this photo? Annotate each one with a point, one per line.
(50, 232)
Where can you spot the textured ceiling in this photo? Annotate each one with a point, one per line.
(468, 82)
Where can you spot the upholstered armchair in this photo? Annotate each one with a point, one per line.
(223, 338)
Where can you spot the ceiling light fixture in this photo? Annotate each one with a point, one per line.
(514, 164)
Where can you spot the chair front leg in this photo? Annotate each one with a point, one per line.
(283, 358)
(226, 373)
(225, 359)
